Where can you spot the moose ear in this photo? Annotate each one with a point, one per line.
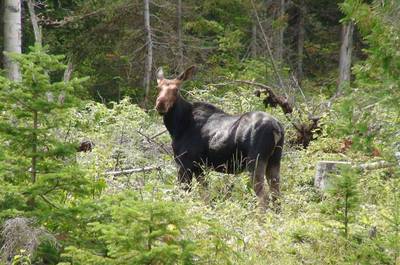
(160, 75)
(187, 74)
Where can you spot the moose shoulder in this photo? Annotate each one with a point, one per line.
(205, 136)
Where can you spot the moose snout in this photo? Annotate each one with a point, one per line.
(161, 106)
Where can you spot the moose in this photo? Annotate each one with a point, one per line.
(204, 136)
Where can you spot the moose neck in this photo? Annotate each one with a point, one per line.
(178, 118)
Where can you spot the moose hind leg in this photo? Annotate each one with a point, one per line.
(272, 175)
(257, 170)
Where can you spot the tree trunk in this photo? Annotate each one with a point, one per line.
(149, 56)
(34, 147)
(345, 56)
(253, 48)
(300, 41)
(34, 20)
(12, 36)
(279, 44)
(1, 35)
(68, 71)
(324, 171)
(180, 36)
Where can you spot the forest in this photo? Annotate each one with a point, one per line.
(88, 174)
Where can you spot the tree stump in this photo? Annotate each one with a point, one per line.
(323, 172)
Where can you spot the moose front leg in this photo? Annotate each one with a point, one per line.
(200, 177)
(185, 177)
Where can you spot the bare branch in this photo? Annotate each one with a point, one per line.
(375, 165)
(34, 20)
(71, 19)
(159, 145)
(158, 134)
(132, 170)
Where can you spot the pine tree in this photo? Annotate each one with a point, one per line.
(344, 198)
(38, 169)
(148, 228)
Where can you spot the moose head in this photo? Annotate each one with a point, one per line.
(168, 89)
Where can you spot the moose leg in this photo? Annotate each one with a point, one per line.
(185, 178)
(257, 169)
(201, 178)
(272, 174)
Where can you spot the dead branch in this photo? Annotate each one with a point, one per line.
(375, 165)
(132, 170)
(158, 134)
(160, 146)
(70, 19)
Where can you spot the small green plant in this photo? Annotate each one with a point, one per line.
(393, 219)
(343, 198)
(21, 259)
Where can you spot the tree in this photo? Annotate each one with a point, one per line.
(180, 36)
(346, 49)
(254, 26)
(149, 56)
(300, 39)
(280, 30)
(12, 36)
(34, 20)
(344, 198)
(38, 167)
(1, 34)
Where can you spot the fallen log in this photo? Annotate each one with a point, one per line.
(132, 170)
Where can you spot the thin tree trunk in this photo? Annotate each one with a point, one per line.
(300, 41)
(345, 56)
(253, 48)
(68, 71)
(279, 44)
(2, 35)
(180, 36)
(12, 36)
(34, 146)
(34, 20)
(149, 57)
(281, 29)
